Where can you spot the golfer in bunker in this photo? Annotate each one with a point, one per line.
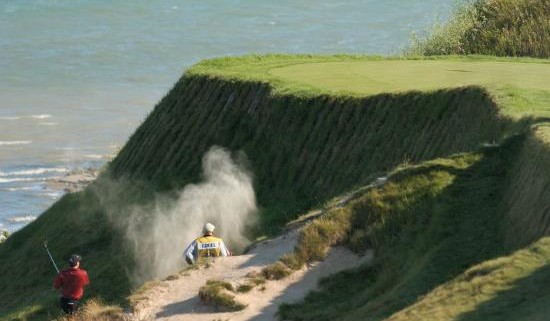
(205, 246)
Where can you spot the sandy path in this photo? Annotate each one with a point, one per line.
(178, 299)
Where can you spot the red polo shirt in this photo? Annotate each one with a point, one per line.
(72, 281)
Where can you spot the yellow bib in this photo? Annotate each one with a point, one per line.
(208, 246)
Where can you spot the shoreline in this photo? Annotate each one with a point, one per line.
(73, 181)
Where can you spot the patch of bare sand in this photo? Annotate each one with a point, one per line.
(178, 299)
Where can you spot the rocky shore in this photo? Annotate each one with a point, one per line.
(74, 181)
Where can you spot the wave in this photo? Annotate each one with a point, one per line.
(48, 124)
(25, 179)
(17, 189)
(10, 118)
(95, 156)
(54, 195)
(37, 116)
(15, 142)
(41, 116)
(36, 171)
(21, 219)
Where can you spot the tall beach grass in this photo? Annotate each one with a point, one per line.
(491, 27)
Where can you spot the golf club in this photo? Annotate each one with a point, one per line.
(50, 255)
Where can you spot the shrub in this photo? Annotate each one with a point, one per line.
(4, 236)
(292, 260)
(316, 238)
(276, 271)
(218, 294)
(243, 288)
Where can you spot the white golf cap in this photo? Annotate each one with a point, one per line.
(209, 228)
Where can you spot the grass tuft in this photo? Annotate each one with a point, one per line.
(244, 288)
(218, 294)
(318, 236)
(276, 271)
(96, 310)
(292, 260)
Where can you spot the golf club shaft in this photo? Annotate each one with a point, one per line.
(51, 258)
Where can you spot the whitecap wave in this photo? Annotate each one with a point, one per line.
(54, 195)
(94, 156)
(41, 116)
(17, 189)
(15, 142)
(36, 171)
(21, 219)
(66, 148)
(48, 124)
(25, 179)
(10, 118)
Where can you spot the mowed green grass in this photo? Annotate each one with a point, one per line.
(374, 77)
(523, 88)
(520, 86)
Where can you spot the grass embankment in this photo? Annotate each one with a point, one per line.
(492, 27)
(441, 231)
(306, 143)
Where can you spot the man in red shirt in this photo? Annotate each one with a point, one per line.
(71, 282)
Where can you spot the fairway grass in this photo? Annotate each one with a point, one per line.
(375, 77)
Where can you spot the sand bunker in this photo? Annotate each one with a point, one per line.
(178, 299)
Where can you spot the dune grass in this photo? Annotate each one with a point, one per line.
(491, 27)
(218, 294)
(95, 310)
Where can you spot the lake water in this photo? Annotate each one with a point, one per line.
(77, 77)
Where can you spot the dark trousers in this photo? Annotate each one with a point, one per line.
(69, 306)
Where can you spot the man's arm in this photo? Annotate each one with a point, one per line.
(223, 249)
(58, 281)
(85, 278)
(188, 253)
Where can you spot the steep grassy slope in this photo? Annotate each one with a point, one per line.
(305, 143)
(443, 252)
(304, 150)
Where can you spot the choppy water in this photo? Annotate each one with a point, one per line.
(77, 77)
